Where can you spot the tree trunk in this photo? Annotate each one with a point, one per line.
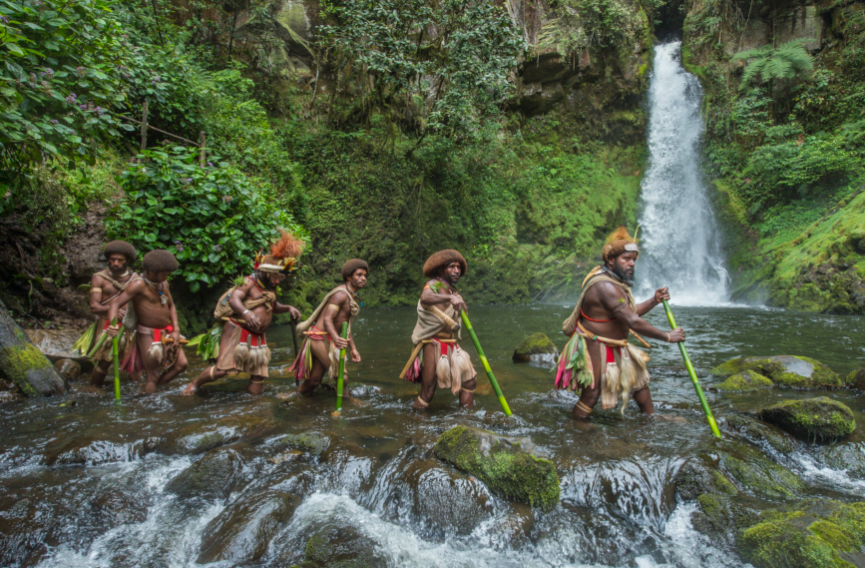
(22, 363)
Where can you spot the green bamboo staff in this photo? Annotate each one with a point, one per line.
(341, 369)
(486, 363)
(709, 418)
(98, 344)
(115, 342)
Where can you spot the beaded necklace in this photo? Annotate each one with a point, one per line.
(163, 299)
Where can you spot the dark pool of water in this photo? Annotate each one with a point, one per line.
(87, 483)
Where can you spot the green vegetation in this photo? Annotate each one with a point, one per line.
(815, 419)
(768, 63)
(747, 381)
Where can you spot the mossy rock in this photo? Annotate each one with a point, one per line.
(761, 433)
(313, 443)
(211, 478)
(535, 344)
(818, 419)
(745, 381)
(784, 370)
(856, 379)
(505, 465)
(813, 534)
(848, 457)
(759, 476)
(341, 547)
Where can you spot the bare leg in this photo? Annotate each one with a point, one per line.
(429, 382)
(256, 385)
(590, 396)
(209, 374)
(643, 399)
(152, 369)
(97, 377)
(320, 365)
(179, 366)
(468, 398)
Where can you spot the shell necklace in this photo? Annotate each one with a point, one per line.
(163, 299)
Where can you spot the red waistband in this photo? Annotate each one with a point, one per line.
(253, 339)
(584, 316)
(157, 333)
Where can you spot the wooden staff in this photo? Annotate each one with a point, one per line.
(708, 411)
(339, 380)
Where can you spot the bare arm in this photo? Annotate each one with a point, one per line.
(613, 299)
(337, 302)
(283, 308)
(124, 298)
(238, 296)
(96, 307)
(431, 298)
(660, 295)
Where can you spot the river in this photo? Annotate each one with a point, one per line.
(88, 483)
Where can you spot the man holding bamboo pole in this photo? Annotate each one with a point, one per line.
(105, 286)
(437, 360)
(598, 360)
(156, 348)
(319, 352)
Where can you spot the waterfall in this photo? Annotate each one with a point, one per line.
(679, 240)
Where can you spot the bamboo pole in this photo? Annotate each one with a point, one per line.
(339, 380)
(98, 345)
(116, 350)
(708, 411)
(486, 363)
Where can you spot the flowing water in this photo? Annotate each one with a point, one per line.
(84, 483)
(680, 245)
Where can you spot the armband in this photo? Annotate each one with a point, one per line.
(334, 306)
(96, 289)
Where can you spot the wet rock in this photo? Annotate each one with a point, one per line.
(55, 344)
(201, 437)
(784, 370)
(361, 390)
(746, 381)
(232, 384)
(818, 419)
(446, 503)
(91, 450)
(847, 457)
(757, 475)
(115, 508)
(68, 369)
(536, 348)
(856, 379)
(23, 526)
(243, 530)
(509, 466)
(804, 24)
(814, 533)
(311, 442)
(341, 547)
(761, 433)
(22, 363)
(212, 477)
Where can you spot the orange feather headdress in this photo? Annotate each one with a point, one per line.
(283, 256)
(619, 242)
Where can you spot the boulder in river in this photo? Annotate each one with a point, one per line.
(200, 437)
(815, 533)
(848, 457)
(340, 547)
(69, 369)
(211, 477)
(313, 443)
(784, 370)
(856, 379)
(755, 474)
(509, 466)
(536, 348)
(761, 434)
(22, 363)
(818, 419)
(745, 381)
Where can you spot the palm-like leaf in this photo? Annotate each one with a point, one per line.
(787, 61)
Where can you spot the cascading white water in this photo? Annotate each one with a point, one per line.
(679, 240)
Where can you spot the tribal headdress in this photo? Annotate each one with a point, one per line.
(283, 257)
(619, 242)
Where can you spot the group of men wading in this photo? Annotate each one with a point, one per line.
(598, 361)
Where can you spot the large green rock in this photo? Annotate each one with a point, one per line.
(535, 348)
(311, 442)
(759, 476)
(761, 434)
(818, 419)
(784, 370)
(856, 379)
(745, 381)
(814, 534)
(506, 465)
(848, 457)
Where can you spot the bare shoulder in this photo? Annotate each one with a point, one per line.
(97, 280)
(136, 286)
(339, 297)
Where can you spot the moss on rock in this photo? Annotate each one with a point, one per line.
(761, 433)
(311, 442)
(503, 464)
(784, 370)
(340, 547)
(856, 379)
(745, 381)
(19, 360)
(814, 534)
(535, 344)
(848, 457)
(818, 419)
(761, 477)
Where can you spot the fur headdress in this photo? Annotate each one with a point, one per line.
(120, 247)
(354, 264)
(619, 242)
(443, 258)
(283, 255)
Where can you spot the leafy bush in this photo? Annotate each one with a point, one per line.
(768, 63)
(214, 219)
(62, 66)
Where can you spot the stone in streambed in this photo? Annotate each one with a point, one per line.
(68, 369)
(340, 547)
(212, 477)
(200, 437)
(536, 348)
(761, 434)
(784, 371)
(313, 443)
(818, 419)
(847, 457)
(241, 533)
(856, 379)
(508, 466)
(814, 534)
(745, 381)
(755, 474)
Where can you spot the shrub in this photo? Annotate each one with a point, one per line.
(213, 218)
